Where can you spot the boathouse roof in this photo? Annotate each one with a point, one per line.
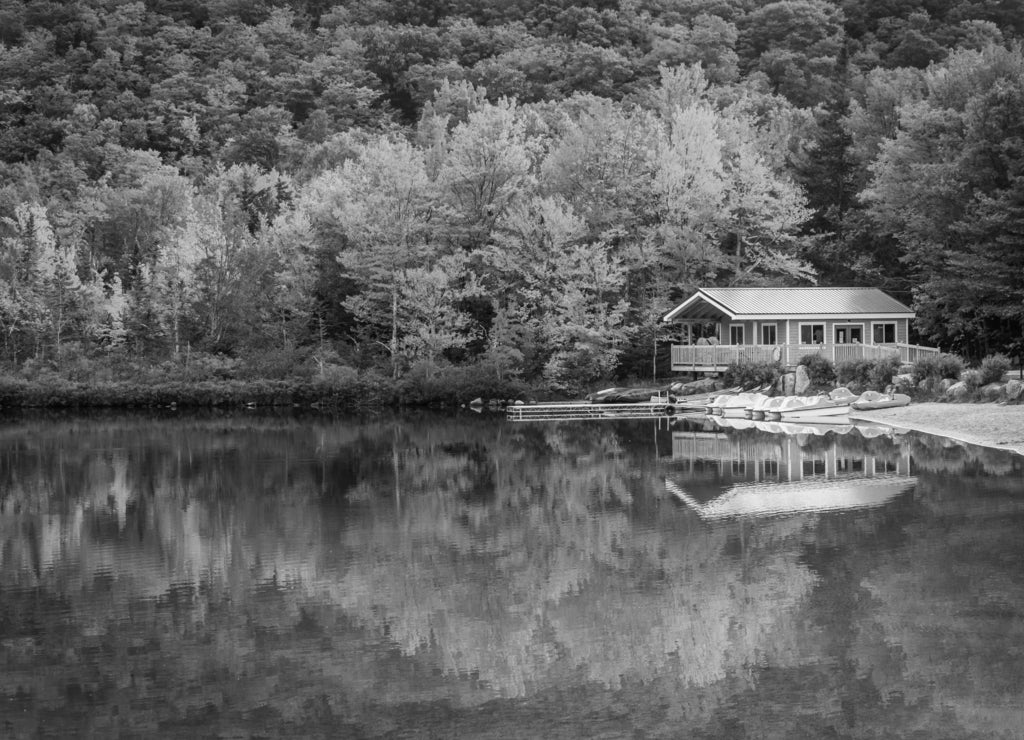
(761, 303)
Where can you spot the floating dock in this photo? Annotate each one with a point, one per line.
(560, 411)
(587, 410)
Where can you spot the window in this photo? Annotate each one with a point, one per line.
(736, 334)
(849, 333)
(883, 333)
(812, 333)
(769, 334)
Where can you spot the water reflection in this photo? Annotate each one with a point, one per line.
(784, 468)
(379, 576)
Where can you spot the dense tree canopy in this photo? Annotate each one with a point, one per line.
(521, 184)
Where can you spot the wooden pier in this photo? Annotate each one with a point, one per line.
(586, 410)
(566, 411)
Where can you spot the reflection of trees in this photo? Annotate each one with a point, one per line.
(450, 559)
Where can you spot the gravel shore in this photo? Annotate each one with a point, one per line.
(985, 424)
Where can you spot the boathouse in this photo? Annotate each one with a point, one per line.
(719, 326)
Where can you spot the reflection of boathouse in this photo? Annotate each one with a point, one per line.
(722, 475)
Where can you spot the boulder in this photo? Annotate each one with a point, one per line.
(802, 381)
(787, 384)
(958, 390)
(903, 382)
(945, 384)
(1014, 389)
(695, 387)
(992, 391)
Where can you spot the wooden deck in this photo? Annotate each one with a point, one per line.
(668, 407)
(717, 357)
(567, 411)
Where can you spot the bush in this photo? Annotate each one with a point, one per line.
(881, 371)
(751, 374)
(865, 375)
(937, 367)
(428, 383)
(972, 378)
(819, 369)
(993, 368)
(854, 374)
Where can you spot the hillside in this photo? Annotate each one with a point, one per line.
(282, 189)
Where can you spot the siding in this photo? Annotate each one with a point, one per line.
(789, 329)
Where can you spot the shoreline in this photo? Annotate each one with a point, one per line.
(985, 424)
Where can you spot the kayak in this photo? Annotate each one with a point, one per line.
(870, 400)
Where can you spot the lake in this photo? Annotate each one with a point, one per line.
(435, 576)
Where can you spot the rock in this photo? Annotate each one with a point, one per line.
(945, 384)
(693, 388)
(802, 381)
(477, 402)
(903, 382)
(958, 390)
(992, 391)
(787, 384)
(1014, 388)
(519, 403)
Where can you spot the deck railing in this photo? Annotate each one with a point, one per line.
(719, 356)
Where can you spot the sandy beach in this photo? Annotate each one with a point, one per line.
(985, 424)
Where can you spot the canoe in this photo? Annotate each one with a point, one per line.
(873, 400)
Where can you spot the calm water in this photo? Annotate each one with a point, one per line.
(466, 577)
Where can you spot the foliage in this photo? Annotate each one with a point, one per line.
(752, 374)
(937, 367)
(973, 378)
(946, 187)
(993, 368)
(862, 375)
(439, 384)
(820, 369)
(520, 186)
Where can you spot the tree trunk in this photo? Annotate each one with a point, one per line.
(654, 358)
(177, 342)
(394, 327)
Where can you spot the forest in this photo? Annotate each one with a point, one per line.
(319, 189)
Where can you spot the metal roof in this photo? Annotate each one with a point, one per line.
(756, 303)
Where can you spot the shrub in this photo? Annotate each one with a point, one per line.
(937, 367)
(993, 368)
(881, 371)
(863, 375)
(428, 383)
(751, 374)
(819, 369)
(972, 378)
(854, 374)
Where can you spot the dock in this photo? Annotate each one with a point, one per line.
(585, 410)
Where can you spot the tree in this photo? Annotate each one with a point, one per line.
(376, 212)
(796, 44)
(45, 292)
(486, 167)
(947, 187)
(429, 310)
